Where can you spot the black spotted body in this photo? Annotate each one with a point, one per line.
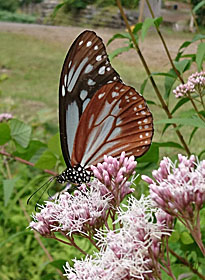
(76, 175)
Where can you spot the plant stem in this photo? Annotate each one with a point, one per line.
(72, 241)
(26, 162)
(164, 44)
(163, 104)
(186, 263)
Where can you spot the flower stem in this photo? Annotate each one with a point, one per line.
(163, 104)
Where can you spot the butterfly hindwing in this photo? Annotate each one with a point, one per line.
(116, 119)
(86, 69)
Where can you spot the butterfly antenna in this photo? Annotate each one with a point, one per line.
(48, 182)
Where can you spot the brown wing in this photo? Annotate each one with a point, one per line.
(116, 119)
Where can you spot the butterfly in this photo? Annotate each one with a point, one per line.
(98, 113)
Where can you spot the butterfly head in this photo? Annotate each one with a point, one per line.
(76, 175)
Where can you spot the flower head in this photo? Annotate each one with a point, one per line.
(177, 189)
(72, 213)
(114, 174)
(196, 83)
(125, 252)
(5, 117)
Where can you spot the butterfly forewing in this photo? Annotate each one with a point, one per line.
(116, 119)
(86, 69)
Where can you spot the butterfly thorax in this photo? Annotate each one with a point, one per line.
(75, 175)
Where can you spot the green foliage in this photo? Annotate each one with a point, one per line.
(14, 17)
(199, 9)
(9, 5)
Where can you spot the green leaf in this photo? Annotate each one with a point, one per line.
(119, 51)
(174, 237)
(57, 8)
(119, 36)
(201, 153)
(137, 28)
(181, 102)
(8, 186)
(182, 65)
(58, 264)
(169, 144)
(54, 145)
(143, 85)
(192, 134)
(198, 6)
(196, 122)
(200, 56)
(46, 161)
(158, 21)
(152, 155)
(20, 132)
(30, 151)
(186, 238)
(4, 133)
(168, 82)
(163, 74)
(146, 25)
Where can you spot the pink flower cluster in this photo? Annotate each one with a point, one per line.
(178, 189)
(5, 117)
(114, 174)
(72, 213)
(196, 83)
(128, 252)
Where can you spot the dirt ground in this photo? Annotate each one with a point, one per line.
(151, 48)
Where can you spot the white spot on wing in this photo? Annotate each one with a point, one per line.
(65, 80)
(140, 106)
(91, 82)
(145, 120)
(83, 94)
(101, 71)
(63, 90)
(80, 43)
(96, 48)
(108, 69)
(99, 58)
(69, 64)
(114, 94)
(88, 68)
(101, 95)
(89, 43)
(147, 134)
